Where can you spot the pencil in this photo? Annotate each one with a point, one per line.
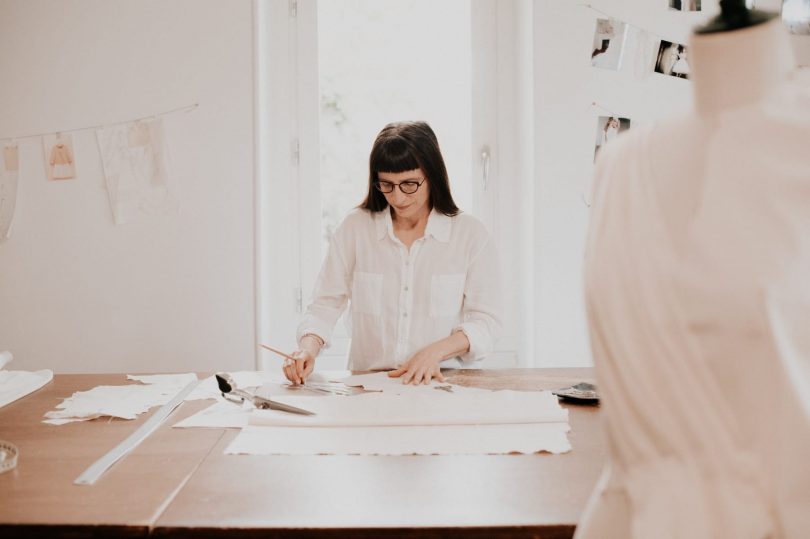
(280, 353)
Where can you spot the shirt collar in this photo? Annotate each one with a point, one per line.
(438, 225)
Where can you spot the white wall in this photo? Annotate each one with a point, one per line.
(566, 86)
(176, 293)
(169, 293)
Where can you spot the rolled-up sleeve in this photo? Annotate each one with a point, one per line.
(330, 294)
(481, 310)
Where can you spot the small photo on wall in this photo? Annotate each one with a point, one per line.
(59, 158)
(672, 60)
(608, 44)
(796, 15)
(607, 129)
(685, 5)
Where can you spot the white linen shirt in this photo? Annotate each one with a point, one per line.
(403, 300)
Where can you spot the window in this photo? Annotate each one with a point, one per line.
(333, 73)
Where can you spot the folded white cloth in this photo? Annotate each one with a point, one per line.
(18, 384)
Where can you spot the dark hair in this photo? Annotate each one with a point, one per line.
(402, 146)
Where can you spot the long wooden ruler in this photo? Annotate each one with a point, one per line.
(97, 469)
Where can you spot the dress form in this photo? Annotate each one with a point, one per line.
(729, 70)
(698, 225)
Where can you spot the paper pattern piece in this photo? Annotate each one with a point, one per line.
(415, 440)
(226, 414)
(17, 384)
(208, 388)
(608, 44)
(124, 402)
(220, 415)
(60, 160)
(380, 381)
(134, 158)
(392, 419)
(421, 420)
(9, 178)
(440, 408)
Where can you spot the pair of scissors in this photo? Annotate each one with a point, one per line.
(229, 390)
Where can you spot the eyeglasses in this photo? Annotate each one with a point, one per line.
(408, 187)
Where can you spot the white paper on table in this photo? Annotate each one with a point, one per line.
(413, 440)
(209, 389)
(125, 401)
(380, 381)
(226, 414)
(437, 408)
(220, 415)
(17, 384)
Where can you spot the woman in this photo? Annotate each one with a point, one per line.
(419, 276)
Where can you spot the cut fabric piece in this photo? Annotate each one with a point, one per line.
(124, 402)
(59, 156)
(9, 177)
(134, 157)
(404, 440)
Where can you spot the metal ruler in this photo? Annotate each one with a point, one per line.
(97, 469)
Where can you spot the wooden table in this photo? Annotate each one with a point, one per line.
(179, 482)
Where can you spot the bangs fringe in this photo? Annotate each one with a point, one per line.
(393, 155)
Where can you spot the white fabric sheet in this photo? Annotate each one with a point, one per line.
(413, 440)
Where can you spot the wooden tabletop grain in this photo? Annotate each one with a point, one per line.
(179, 482)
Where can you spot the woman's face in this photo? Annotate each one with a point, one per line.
(406, 205)
(614, 123)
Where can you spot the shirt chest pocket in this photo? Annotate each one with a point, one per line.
(367, 294)
(446, 294)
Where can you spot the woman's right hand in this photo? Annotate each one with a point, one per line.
(297, 370)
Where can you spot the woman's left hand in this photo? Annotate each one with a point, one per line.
(421, 368)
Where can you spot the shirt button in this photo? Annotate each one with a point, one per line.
(407, 262)
(405, 315)
(406, 289)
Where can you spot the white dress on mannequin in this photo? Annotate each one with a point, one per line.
(698, 295)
